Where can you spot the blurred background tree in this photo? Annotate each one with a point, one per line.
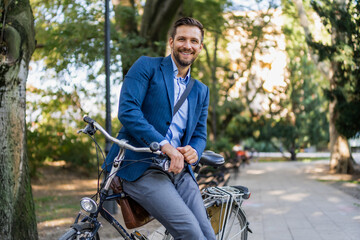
(298, 109)
(342, 21)
(339, 51)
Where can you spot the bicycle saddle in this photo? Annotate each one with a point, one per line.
(212, 159)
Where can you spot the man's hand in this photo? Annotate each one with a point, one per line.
(190, 154)
(177, 158)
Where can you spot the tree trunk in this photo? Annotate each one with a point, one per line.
(17, 40)
(341, 160)
(156, 21)
(158, 15)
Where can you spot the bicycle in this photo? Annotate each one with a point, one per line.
(223, 204)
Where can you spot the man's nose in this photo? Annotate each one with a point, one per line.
(187, 44)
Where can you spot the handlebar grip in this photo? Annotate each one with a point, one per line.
(88, 119)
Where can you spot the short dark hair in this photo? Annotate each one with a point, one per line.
(187, 21)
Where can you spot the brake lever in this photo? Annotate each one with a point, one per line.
(162, 162)
(89, 129)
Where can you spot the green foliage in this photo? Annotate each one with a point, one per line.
(348, 120)
(51, 133)
(342, 20)
(223, 145)
(54, 117)
(71, 34)
(68, 32)
(132, 46)
(209, 13)
(298, 110)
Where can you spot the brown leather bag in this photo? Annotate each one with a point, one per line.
(134, 215)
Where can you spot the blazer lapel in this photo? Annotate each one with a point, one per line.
(168, 74)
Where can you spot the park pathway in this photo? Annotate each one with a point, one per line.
(288, 204)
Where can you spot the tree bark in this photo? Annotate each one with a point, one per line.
(341, 160)
(17, 40)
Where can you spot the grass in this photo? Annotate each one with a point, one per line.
(54, 207)
(271, 159)
(340, 181)
(311, 159)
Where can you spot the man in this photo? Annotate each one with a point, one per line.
(148, 96)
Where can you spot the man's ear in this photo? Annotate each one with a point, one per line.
(171, 41)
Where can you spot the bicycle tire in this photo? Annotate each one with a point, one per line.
(237, 231)
(83, 229)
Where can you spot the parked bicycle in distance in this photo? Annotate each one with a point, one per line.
(223, 204)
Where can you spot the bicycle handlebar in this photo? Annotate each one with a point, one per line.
(154, 147)
(208, 157)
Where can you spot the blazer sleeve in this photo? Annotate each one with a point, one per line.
(133, 93)
(198, 139)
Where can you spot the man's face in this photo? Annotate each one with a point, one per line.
(186, 45)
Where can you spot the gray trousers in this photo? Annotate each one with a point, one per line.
(175, 201)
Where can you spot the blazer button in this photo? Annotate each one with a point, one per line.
(168, 123)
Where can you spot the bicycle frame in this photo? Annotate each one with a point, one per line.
(232, 197)
(92, 218)
(104, 194)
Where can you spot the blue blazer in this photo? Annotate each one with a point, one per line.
(145, 110)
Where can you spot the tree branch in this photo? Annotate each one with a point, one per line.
(304, 22)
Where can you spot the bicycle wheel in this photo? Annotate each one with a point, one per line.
(82, 232)
(235, 226)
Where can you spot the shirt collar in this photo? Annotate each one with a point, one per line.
(176, 71)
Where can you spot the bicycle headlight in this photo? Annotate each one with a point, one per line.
(88, 205)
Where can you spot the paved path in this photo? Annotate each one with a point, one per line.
(287, 204)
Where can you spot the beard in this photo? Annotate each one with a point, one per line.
(183, 63)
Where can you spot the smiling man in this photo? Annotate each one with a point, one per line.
(149, 93)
